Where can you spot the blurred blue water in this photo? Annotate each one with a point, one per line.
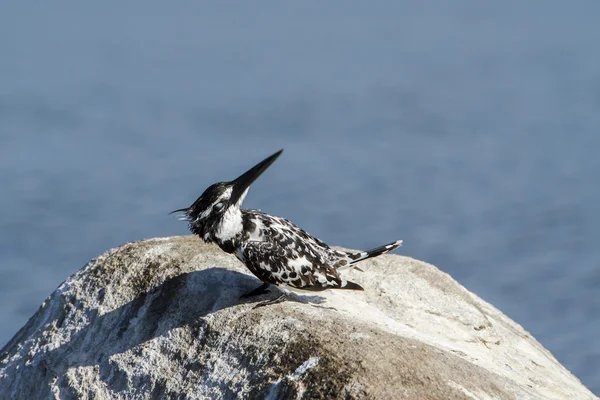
(470, 130)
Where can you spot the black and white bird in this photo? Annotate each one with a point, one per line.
(275, 250)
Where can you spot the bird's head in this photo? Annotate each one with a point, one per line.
(216, 213)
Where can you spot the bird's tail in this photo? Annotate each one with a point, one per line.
(363, 255)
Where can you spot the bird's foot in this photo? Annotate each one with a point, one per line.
(262, 289)
(276, 300)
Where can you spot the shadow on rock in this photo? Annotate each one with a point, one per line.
(179, 301)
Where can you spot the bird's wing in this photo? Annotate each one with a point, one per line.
(275, 263)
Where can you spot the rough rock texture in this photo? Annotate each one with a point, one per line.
(161, 319)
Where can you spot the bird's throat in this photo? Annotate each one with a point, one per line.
(230, 226)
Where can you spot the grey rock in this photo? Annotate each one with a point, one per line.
(161, 319)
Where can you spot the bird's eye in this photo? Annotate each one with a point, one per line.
(218, 206)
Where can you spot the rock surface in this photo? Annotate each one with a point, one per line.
(161, 319)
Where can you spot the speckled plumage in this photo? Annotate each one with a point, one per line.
(275, 250)
(278, 252)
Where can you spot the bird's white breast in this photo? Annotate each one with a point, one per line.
(230, 225)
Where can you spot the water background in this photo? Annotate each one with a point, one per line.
(470, 130)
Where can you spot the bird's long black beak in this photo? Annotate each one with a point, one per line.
(244, 181)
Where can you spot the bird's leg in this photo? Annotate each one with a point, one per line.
(279, 299)
(262, 289)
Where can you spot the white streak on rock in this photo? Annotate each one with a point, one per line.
(275, 391)
(308, 364)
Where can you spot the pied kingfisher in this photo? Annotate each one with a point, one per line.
(275, 250)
